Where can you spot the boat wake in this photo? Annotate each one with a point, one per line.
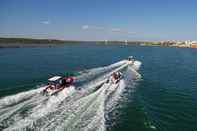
(86, 109)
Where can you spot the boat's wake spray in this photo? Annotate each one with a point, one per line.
(71, 109)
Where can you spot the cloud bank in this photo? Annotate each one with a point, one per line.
(113, 30)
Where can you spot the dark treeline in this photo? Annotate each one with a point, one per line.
(34, 41)
(29, 42)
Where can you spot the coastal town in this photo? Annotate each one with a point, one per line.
(183, 44)
(171, 43)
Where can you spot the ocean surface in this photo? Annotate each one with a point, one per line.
(164, 98)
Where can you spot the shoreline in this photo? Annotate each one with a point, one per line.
(29, 42)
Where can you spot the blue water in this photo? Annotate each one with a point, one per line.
(164, 99)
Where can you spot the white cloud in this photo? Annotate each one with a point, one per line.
(117, 30)
(85, 27)
(45, 22)
(113, 30)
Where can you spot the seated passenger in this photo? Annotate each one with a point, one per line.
(67, 81)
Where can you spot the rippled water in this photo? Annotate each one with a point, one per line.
(164, 99)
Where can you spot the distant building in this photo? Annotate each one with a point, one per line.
(188, 43)
(106, 42)
(126, 42)
(194, 44)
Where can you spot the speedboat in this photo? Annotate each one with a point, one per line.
(135, 64)
(57, 84)
(130, 58)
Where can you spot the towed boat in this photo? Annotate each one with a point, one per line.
(113, 83)
(115, 78)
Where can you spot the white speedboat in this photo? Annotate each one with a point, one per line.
(135, 64)
(57, 84)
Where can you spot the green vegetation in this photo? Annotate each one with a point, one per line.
(29, 42)
(34, 41)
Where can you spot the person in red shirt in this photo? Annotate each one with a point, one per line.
(67, 81)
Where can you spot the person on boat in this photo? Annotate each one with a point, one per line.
(116, 76)
(67, 81)
(51, 86)
(130, 58)
(119, 74)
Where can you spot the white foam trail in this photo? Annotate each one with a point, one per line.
(84, 110)
(44, 108)
(85, 113)
(99, 81)
(134, 68)
(95, 71)
(13, 110)
(77, 108)
(52, 104)
(13, 99)
(28, 98)
(136, 65)
(9, 100)
(114, 92)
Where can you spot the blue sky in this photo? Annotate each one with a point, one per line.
(99, 19)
